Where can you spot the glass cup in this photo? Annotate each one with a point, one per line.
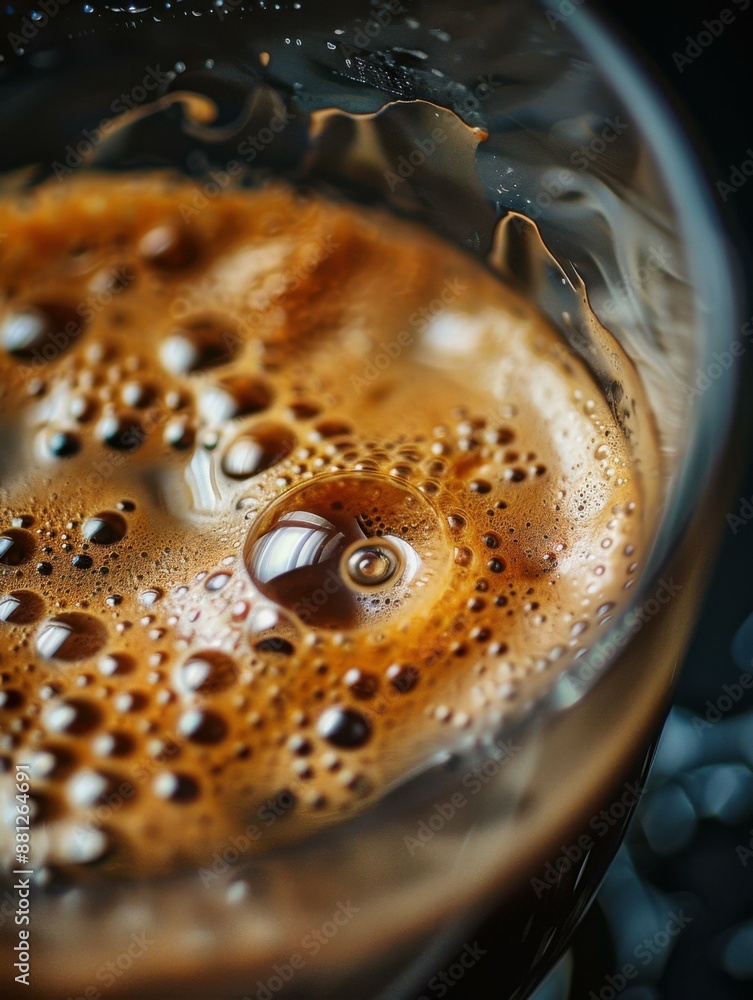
(525, 133)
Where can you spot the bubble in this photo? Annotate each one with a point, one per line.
(21, 607)
(84, 845)
(370, 565)
(275, 644)
(257, 450)
(179, 434)
(115, 665)
(402, 677)
(456, 522)
(202, 726)
(88, 788)
(16, 547)
(72, 717)
(45, 331)
(201, 344)
(106, 528)
(168, 248)
(174, 787)
(122, 432)
(137, 394)
(361, 683)
(206, 673)
(303, 409)
(325, 545)
(343, 727)
(71, 637)
(235, 396)
(114, 744)
(150, 597)
(44, 568)
(82, 562)
(64, 444)
(81, 408)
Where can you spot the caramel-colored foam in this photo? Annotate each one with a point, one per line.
(291, 493)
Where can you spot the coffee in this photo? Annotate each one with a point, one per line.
(294, 494)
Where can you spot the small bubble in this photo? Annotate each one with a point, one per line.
(71, 637)
(72, 716)
(21, 607)
(16, 547)
(207, 673)
(402, 677)
(360, 683)
(168, 248)
(257, 450)
(203, 343)
(343, 727)
(202, 726)
(121, 432)
(106, 528)
(175, 787)
(64, 444)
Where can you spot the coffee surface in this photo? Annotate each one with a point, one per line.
(292, 494)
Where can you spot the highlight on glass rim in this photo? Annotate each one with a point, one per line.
(355, 479)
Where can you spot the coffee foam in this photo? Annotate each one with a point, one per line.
(293, 494)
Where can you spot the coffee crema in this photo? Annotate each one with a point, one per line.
(292, 494)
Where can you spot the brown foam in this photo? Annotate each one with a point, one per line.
(192, 400)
